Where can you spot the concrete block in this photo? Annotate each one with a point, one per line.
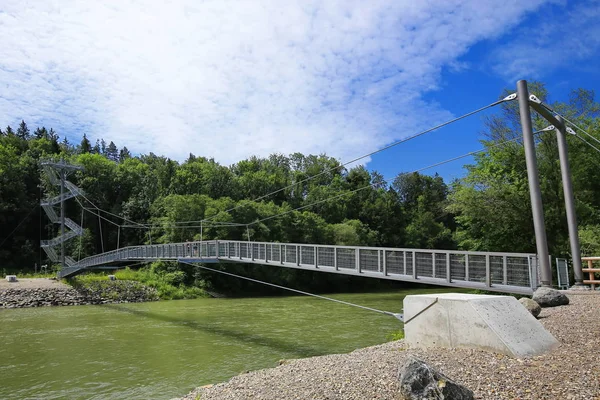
(494, 323)
(11, 278)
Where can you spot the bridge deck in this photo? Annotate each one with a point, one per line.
(502, 272)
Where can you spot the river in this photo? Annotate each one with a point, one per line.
(164, 349)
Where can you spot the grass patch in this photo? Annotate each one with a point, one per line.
(396, 335)
(168, 285)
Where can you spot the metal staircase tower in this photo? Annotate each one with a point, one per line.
(57, 173)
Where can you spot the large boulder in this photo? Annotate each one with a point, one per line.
(531, 305)
(548, 297)
(418, 381)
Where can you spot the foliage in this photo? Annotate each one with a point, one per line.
(169, 285)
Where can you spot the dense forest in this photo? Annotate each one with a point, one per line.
(163, 200)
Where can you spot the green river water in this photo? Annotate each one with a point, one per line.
(164, 349)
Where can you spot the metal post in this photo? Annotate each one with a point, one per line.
(534, 184)
(118, 237)
(569, 201)
(62, 218)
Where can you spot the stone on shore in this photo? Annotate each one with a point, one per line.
(548, 297)
(531, 305)
(418, 381)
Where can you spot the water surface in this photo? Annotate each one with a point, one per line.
(164, 349)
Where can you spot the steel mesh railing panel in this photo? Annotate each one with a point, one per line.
(346, 258)
(424, 264)
(477, 269)
(409, 262)
(276, 253)
(394, 262)
(326, 256)
(244, 250)
(497, 269)
(307, 255)
(440, 266)
(517, 271)
(369, 260)
(291, 253)
(232, 249)
(260, 252)
(458, 264)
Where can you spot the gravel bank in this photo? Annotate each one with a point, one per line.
(47, 292)
(572, 371)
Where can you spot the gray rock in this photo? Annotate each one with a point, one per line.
(548, 297)
(418, 381)
(531, 305)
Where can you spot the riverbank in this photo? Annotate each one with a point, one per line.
(49, 292)
(568, 372)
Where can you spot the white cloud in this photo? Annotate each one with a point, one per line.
(230, 79)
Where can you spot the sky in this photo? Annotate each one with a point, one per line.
(231, 79)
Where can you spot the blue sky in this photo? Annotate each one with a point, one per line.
(229, 79)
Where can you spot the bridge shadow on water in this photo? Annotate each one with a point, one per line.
(277, 344)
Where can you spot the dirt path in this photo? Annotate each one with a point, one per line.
(32, 284)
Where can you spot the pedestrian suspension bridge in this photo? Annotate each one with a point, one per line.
(502, 272)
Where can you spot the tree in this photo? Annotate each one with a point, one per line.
(112, 153)
(124, 154)
(40, 133)
(23, 131)
(85, 146)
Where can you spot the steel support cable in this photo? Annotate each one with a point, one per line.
(184, 226)
(508, 98)
(547, 107)
(109, 213)
(386, 180)
(588, 143)
(395, 315)
(95, 213)
(134, 224)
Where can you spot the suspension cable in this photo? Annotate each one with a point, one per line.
(384, 180)
(547, 107)
(508, 98)
(588, 143)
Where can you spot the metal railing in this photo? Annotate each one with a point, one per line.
(503, 272)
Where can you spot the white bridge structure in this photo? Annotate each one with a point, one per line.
(492, 271)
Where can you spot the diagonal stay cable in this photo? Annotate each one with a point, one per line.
(109, 213)
(547, 107)
(385, 180)
(399, 316)
(94, 213)
(588, 143)
(508, 98)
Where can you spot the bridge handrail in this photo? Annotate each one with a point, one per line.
(514, 272)
(464, 252)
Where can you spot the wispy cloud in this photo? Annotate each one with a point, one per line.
(562, 36)
(230, 79)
